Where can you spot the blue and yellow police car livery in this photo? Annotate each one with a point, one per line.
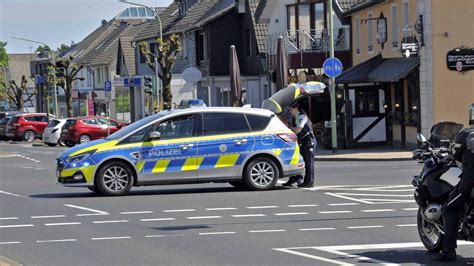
(242, 146)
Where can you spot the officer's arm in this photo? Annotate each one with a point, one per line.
(459, 145)
(299, 125)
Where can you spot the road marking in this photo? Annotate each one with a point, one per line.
(153, 236)
(410, 209)
(317, 229)
(111, 238)
(10, 243)
(110, 222)
(56, 240)
(48, 216)
(220, 209)
(12, 194)
(71, 223)
(91, 214)
(262, 207)
(347, 198)
(137, 212)
(248, 215)
(16, 225)
(157, 219)
(331, 212)
(27, 167)
(365, 226)
(379, 210)
(182, 210)
(297, 253)
(373, 195)
(302, 205)
(96, 212)
(216, 233)
(203, 217)
(9, 218)
(344, 204)
(407, 225)
(290, 213)
(267, 231)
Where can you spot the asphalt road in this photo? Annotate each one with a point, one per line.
(359, 213)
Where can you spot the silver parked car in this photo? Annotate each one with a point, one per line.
(52, 133)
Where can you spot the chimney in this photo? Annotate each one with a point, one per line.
(104, 22)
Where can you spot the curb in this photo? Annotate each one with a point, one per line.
(38, 145)
(361, 159)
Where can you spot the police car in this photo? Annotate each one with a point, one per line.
(243, 146)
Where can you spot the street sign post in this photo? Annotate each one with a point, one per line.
(332, 67)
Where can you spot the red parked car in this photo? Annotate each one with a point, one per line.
(84, 129)
(27, 126)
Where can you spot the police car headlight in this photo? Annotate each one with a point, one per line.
(79, 157)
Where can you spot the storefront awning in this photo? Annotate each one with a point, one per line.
(378, 69)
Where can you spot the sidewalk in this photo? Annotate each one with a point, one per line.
(364, 154)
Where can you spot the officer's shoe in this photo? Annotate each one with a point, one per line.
(305, 185)
(445, 255)
(290, 183)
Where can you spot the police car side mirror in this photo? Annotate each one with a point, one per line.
(155, 135)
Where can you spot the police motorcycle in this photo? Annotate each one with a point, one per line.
(432, 187)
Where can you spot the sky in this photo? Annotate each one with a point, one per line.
(56, 21)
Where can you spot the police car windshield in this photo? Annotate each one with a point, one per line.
(136, 125)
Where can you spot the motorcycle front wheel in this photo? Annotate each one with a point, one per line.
(429, 234)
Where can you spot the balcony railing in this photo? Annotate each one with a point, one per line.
(310, 41)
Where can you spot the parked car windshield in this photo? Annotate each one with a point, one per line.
(136, 125)
(53, 123)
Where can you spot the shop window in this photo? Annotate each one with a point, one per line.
(370, 32)
(367, 102)
(394, 27)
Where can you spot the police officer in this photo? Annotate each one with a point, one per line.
(463, 151)
(304, 131)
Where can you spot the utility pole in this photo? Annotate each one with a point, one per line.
(332, 82)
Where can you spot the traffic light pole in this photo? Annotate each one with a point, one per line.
(332, 82)
(157, 85)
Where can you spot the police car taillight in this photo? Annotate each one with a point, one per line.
(288, 137)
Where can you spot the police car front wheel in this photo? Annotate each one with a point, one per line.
(261, 174)
(114, 179)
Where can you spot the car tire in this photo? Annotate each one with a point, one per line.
(69, 144)
(61, 142)
(29, 135)
(114, 178)
(238, 184)
(51, 144)
(261, 174)
(84, 138)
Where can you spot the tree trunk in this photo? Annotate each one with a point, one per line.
(167, 95)
(19, 99)
(68, 94)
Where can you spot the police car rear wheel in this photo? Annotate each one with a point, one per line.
(261, 174)
(114, 179)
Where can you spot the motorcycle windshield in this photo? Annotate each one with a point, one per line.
(445, 131)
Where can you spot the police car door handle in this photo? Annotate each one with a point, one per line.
(240, 141)
(187, 146)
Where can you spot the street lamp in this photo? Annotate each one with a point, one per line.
(161, 39)
(54, 73)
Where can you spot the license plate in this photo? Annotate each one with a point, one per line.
(45, 138)
(65, 130)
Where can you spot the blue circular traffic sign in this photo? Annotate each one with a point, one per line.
(332, 67)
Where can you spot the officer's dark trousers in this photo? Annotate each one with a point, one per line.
(458, 197)
(308, 157)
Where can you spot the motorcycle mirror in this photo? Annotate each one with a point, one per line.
(421, 138)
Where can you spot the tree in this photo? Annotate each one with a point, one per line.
(168, 50)
(66, 73)
(4, 63)
(62, 48)
(42, 48)
(16, 94)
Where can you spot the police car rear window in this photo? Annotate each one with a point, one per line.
(257, 123)
(224, 123)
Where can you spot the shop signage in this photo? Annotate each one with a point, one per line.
(410, 47)
(461, 59)
(382, 29)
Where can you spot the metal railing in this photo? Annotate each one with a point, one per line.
(310, 41)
